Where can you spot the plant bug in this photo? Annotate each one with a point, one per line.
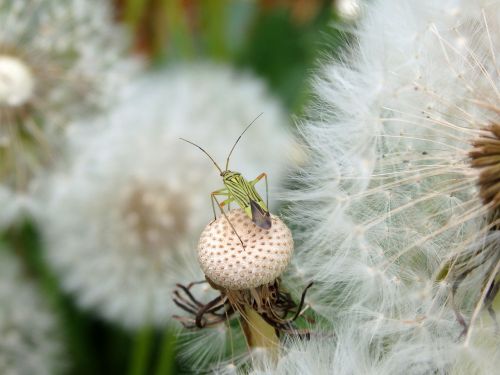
(238, 189)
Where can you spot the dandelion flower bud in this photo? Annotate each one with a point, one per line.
(263, 257)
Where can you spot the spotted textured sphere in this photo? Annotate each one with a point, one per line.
(264, 257)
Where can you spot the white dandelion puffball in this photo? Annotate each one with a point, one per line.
(261, 259)
(30, 341)
(400, 202)
(134, 198)
(58, 60)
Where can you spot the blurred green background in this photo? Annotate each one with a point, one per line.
(280, 41)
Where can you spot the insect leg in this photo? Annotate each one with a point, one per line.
(212, 198)
(257, 179)
(223, 213)
(226, 201)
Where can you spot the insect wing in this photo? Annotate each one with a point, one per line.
(260, 217)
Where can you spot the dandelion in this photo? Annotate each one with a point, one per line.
(30, 341)
(58, 60)
(120, 218)
(399, 200)
(244, 262)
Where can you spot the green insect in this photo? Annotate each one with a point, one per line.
(238, 189)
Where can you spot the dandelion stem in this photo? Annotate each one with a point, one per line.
(216, 13)
(141, 351)
(258, 333)
(134, 10)
(166, 361)
(180, 39)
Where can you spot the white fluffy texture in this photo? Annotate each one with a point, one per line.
(29, 339)
(353, 351)
(299, 357)
(134, 196)
(265, 255)
(217, 350)
(390, 199)
(348, 9)
(17, 84)
(58, 60)
(14, 206)
(77, 35)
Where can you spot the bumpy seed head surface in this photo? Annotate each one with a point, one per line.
(265, 255)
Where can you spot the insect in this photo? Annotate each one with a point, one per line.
(238, 189)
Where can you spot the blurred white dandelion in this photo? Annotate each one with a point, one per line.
(399, 205)
(58, 60)
(30, 340)
(348, 9)
(134, 198)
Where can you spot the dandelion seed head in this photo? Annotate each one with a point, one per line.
(405, 178)
(58, 61)
(398, 139)
(153, 215)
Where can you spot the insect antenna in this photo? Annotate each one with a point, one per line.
(235, 143)
(206, 153)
